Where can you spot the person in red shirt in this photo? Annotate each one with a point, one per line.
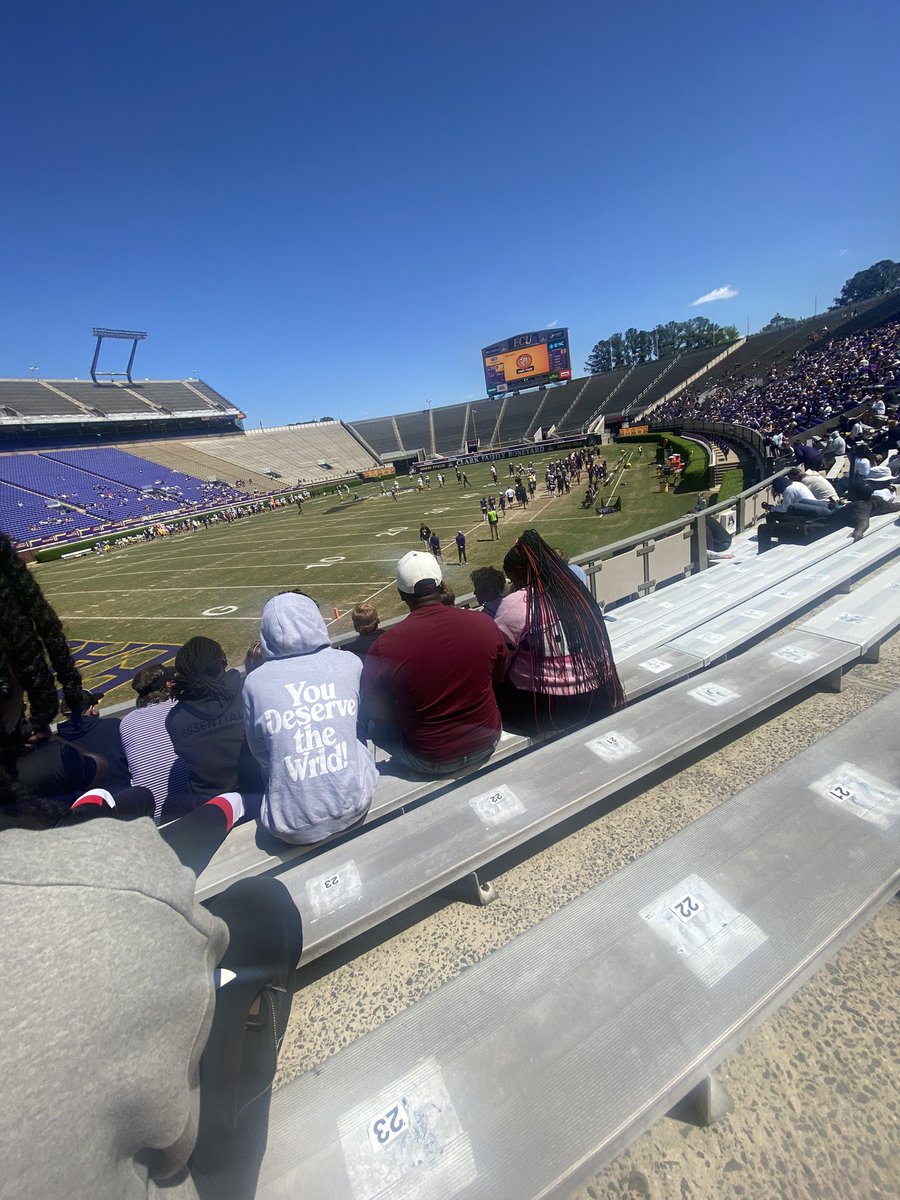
(428, 682)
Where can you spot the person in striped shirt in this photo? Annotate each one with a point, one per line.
(151, 756)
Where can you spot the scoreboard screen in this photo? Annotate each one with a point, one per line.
(527, 360)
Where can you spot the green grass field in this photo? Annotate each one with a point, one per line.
(135, 604)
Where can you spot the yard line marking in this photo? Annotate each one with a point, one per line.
(144, 620)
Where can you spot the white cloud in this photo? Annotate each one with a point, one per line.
(841, 253)
(720, 293)
(552, 324)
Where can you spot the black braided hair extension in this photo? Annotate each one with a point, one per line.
(10, 741)
(30, 632)
(23, 598)
(561, 608)
(200, 667)
(24, 654)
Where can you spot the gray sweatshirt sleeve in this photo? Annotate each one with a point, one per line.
(110, 962)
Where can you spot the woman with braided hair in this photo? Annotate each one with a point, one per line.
(560, 667)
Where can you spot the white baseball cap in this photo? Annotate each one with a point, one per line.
(881, 472)
(418, 573)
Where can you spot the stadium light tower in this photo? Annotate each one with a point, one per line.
(127, 335)
(34, 371)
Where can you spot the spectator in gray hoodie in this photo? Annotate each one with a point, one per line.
(300, 713)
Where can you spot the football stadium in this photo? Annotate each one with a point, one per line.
(450, 603)
(694, 813)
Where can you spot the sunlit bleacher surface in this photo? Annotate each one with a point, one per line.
(295, 452)
(75, 398)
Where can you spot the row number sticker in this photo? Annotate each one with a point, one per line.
(611, 747)
(221, 610)
(655, 666)
(858, 792)
(712, 639)
(698, 923)
(713, 693)
(405, 1139)
(755, 614)
(382, 1130)
(334, 889)
(496, 806)
(795, 654)
(686, 908)
(850, 618)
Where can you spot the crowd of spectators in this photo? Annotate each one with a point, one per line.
(813, 387)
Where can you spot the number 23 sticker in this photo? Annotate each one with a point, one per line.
(387, 1126)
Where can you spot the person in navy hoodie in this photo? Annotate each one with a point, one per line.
(206, 724)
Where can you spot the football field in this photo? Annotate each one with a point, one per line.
(140, 602)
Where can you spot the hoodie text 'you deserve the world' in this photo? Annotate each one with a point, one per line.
(315, 744)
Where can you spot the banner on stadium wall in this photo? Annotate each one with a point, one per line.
(377, 472)
(633, 430)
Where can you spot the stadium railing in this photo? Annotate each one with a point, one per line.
(541, 1063)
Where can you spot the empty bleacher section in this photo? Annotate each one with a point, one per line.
(518, 414)
(178, 456)
(449, 428)
(481, 421)
(415, 430)
(31, 398)
(72, 486)
(556, 403)
(80, 400)
(172, 395)
(589, 398)
(379, 433)
(309, 453)
(103, 399)
(216, 399)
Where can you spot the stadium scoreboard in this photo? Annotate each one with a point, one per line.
(527, 360)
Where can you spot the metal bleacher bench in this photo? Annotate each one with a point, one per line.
(250, 850)
(679, 629)
(353, 886)
(542, 1062)
(657, 640)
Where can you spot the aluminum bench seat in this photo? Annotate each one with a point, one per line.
(863, 616)
(723, 634)
(541, 1063)
(658, 618)
(355, 886)
(251, 850)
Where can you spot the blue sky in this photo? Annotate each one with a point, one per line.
(331, 209)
